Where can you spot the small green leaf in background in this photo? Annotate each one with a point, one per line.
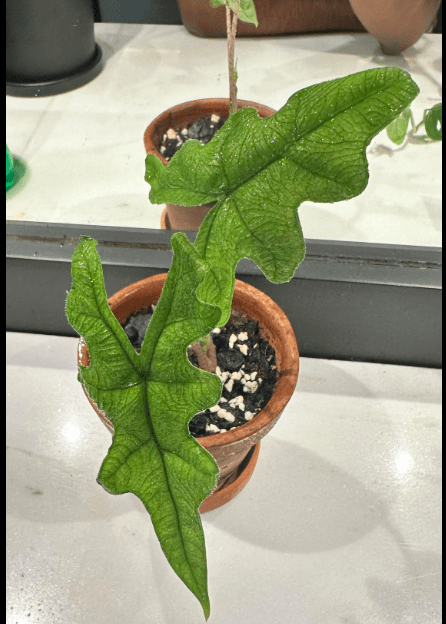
(433, 122)
(397, 129)
(245, 9)
(150, 398)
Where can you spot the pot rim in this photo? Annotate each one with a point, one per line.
(275, 326)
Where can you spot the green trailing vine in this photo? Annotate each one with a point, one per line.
(258, 171)
(398, 129)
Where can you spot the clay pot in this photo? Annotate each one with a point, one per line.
(181, 217)
(230, 449)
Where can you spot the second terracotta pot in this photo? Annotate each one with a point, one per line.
(229, 449)
(181, 217)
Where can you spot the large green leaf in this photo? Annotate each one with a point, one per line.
(150, 398)
(260, 170)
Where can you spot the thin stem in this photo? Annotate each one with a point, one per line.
(206, 354)
(231, 28)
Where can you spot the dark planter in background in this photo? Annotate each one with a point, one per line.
(50, 46)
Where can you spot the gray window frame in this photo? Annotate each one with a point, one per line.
(347, 300)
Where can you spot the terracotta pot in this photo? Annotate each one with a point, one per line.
(231, 448)
(178, 117)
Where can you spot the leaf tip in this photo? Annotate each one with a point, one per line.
(205, 603)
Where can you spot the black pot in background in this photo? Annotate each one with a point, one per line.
(50, 46)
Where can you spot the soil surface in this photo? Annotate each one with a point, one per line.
(246, 366)
(202, 129)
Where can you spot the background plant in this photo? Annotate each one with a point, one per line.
(397, 130)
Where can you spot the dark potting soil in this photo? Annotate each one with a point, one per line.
(202, 129)
(246, 366)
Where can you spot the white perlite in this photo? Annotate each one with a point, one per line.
(212, 428)
(250, 386)
(222, 413)
(215, 118)
(243, 336)
(249, 415)
(223, 376)
(171, 134)
(232, 341)
(229, 385)
(239, 402)
(243, 349)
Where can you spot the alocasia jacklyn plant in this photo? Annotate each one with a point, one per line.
(258, 171)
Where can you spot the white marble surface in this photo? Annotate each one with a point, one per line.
(84, 149)
(339, 524)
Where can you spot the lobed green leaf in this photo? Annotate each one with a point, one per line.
(260, 170)
(150, 398)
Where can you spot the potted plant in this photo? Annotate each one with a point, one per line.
(200, 119)
(235, 446)
(258, 171)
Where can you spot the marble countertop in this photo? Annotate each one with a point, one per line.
(341, 521)
(84, 154)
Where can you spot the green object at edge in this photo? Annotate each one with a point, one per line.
(9, 168)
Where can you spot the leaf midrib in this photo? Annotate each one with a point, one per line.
(145, 381)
